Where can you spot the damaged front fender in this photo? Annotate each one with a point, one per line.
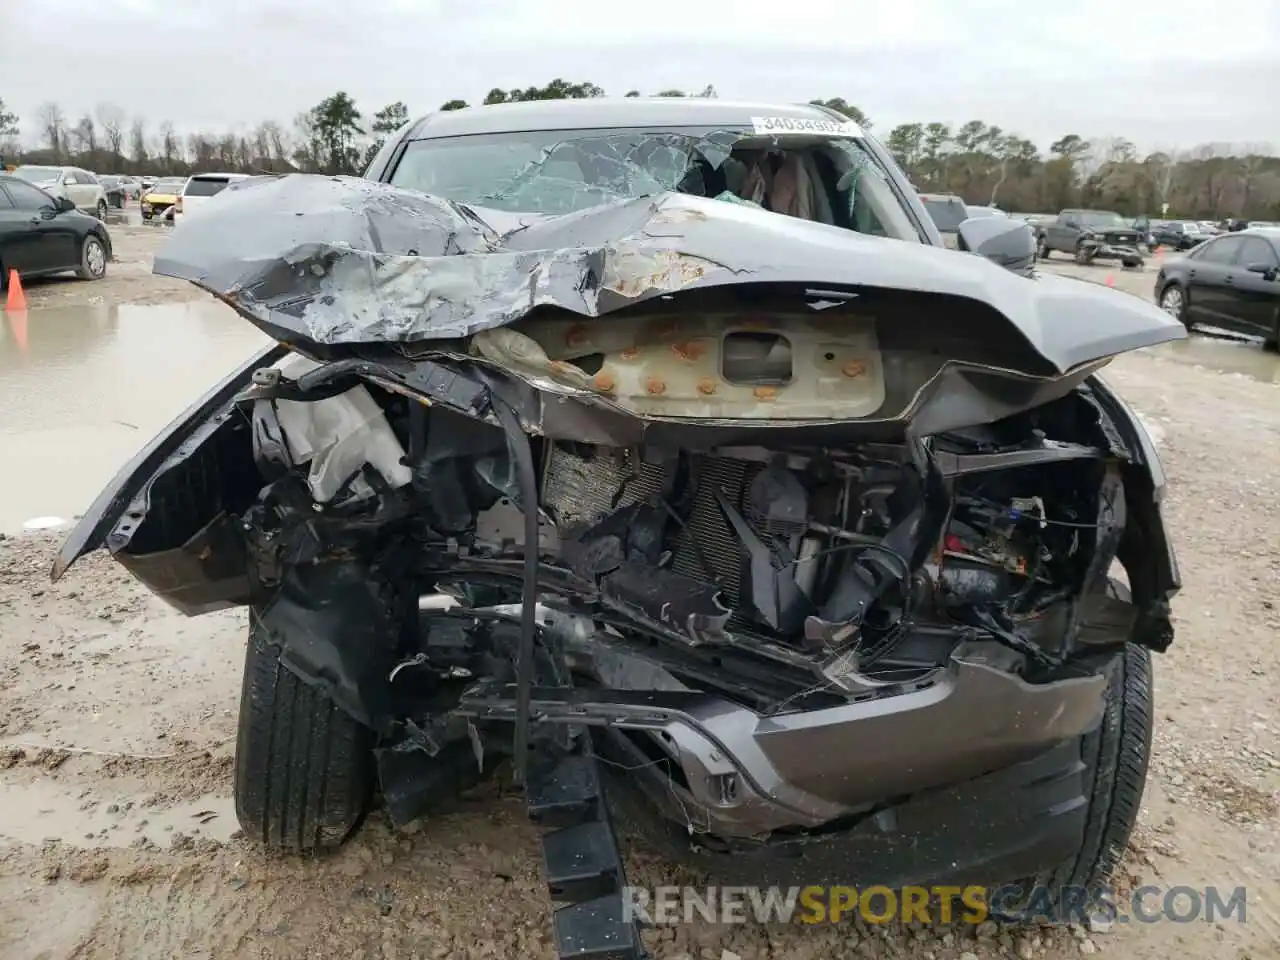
(111, 518)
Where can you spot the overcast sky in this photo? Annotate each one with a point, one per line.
(1171, 73)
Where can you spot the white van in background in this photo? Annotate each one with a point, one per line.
(200, 188)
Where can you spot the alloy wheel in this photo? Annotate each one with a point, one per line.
(95, 257)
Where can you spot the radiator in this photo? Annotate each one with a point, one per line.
(579, 490)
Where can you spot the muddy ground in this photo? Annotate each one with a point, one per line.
(118, 837)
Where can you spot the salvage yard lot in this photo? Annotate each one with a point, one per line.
(117, 719)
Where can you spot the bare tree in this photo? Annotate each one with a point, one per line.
(170, 150)
(111, 118)
(1161, 168)
(85, 135)
(261, 147)
(1254, 163)
(138, 141)
(275, 136)
(53, 123)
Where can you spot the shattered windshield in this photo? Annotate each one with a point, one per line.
(830, 179)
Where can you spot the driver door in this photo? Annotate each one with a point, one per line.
(1211, 279)
(49, 239)
(23, 247)
(80, 190)
(1257, 294)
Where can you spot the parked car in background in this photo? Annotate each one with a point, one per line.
(200, 188)
(114, 188)
(978, 211)
(1178, 234)
(79, 186)
(1256, 224)
(132, 187)
(1090, 235)
(1210, 228)
(147, 182)
(1231, 281)
(157, 200)
(947, 211)
(42, 234)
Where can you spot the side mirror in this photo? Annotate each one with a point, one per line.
(1267, 270)
(1010, 243)
(64, 204)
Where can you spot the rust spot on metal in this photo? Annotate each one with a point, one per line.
(562, 368)
(661, 330)
(766, 393)
(690, 350)
(755, 323)
(706, 386)
(655, 386)
(629, 353)
(854, 368)
(665, 270)
(576, 335)
(605, 382)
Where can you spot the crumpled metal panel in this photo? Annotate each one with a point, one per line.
(340, 260)
(677, 367)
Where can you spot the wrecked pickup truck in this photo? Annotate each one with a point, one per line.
(1089, 235)
(659, 452)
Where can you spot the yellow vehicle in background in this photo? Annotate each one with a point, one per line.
(159, 198)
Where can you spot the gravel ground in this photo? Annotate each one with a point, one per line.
(119, 840)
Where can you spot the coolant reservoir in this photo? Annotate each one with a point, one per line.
(337, 436)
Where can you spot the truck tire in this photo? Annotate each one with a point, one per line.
(304, 770)
(1116, 755)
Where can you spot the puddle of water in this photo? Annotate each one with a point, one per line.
(85, 387)
(42, 810)
(1224, 354)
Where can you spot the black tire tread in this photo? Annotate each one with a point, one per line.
(304, 769)
(1116, 754)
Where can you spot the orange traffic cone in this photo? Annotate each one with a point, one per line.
(18, 324)
(16, 300)
(1111, 281)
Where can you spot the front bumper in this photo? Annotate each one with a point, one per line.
(735, 773)
(1015, 822)
(1103, 249)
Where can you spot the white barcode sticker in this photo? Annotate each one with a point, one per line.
(773, 126)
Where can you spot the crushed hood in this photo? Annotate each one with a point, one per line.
(341, 260)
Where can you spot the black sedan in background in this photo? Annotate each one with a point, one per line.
(1230, 281)
(41, 234)
(1179, 234)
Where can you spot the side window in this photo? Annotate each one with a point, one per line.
(27, 197)
(1257, 250)
(1222, 251)
(85, 178)
(5, 202)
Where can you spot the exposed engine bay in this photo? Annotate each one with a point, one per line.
(694, 588)
(782, 579)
